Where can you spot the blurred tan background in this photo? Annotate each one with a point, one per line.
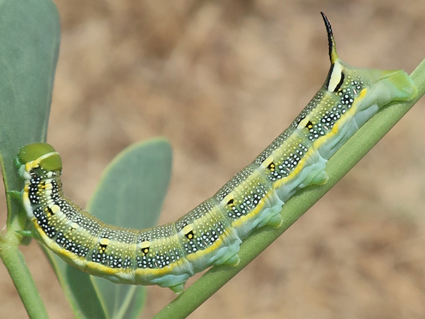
(220, 80)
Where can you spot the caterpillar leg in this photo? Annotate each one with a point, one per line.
(270, 216)
(276, 221)
(25, 233)
(22, 216)
(16, 195)
(175, 283)
(313, 172)
(320, 179)
(228, 255)
(178, 289)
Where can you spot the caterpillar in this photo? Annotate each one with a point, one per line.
(211, 233)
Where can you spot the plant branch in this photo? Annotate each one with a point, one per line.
(20, 274)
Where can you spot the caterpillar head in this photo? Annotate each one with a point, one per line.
(370, 87)
(37, 156)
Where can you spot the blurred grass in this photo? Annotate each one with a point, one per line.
(221, 80)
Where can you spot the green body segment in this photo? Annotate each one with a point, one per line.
(207, 238)
(160, 258)
(212, 232)
(249, 202)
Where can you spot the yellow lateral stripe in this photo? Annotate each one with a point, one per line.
(99, 268)
(294, 173)
(203, 252)
(238, 222)
(342, 121)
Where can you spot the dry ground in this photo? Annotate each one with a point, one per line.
(221, 79)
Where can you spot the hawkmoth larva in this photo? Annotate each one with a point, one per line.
(211, 233)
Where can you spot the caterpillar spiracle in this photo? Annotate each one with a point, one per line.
(212, 232)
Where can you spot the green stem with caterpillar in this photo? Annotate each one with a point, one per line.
(339, 165)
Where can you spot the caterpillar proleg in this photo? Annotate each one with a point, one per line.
(211, 233)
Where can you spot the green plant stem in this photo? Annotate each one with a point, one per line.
(20, 275)
(348, 156)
